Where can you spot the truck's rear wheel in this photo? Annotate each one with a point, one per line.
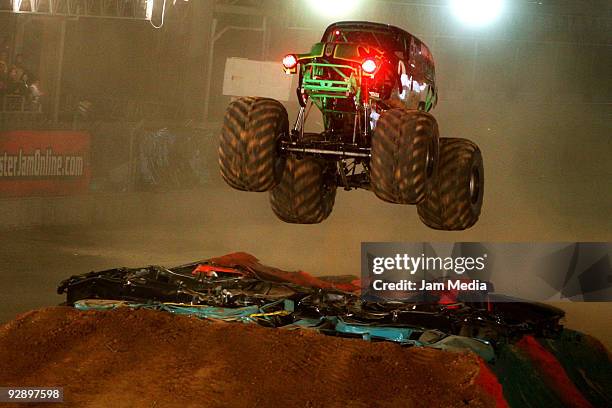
(305, 194)
(248, 151)
(404, 155)
(455, 200)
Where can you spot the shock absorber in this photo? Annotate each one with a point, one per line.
(366, 120)
(299, 122)
(366, 106)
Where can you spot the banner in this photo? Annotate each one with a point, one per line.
(472, 271)
(35, 163)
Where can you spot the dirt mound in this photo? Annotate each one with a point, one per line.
(145, 358)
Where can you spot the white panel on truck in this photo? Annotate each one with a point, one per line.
(244, 77)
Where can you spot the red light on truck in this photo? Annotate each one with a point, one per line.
(369, 66)
(290, 61)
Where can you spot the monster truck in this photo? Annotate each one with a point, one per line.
(374, 85)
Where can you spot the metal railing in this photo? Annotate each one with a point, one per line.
(106, 108)
(19, 103)
(124, 9)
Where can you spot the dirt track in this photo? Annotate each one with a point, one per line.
(154, 359)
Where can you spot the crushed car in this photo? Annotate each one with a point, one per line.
(238, 288)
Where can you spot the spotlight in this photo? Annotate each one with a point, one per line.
(17, 5)
(149, 9)
(477, 13)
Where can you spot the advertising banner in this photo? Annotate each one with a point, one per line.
(35, 163)
(472, 271)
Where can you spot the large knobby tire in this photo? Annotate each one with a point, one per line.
(404, 155)
(305, 194)
(248, 145)
(455, 200)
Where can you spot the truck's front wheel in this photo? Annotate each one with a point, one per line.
(305, 194)
(456, 196)
(248, 150)
(404, 155)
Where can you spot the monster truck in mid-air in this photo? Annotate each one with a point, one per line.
(374, 85)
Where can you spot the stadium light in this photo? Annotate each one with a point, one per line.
(149, 9)
(334, 8)
(17, 5)
(477, 13)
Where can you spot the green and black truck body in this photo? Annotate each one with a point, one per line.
(375, 86)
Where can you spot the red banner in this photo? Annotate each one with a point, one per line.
(36, 163)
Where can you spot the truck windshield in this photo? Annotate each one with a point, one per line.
(380, 39)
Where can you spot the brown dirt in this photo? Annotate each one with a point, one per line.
(144, 358)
